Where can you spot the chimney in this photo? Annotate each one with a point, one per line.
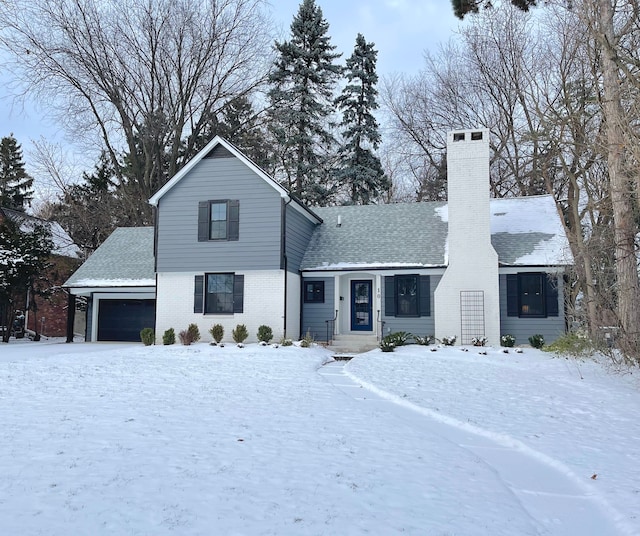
(466, 299)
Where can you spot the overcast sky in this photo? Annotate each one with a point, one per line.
(401, 30)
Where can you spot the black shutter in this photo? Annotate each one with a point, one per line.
(551, 292)
(389, 296)
(198, 294)
(425, 296)
(238, 294)
(203, 221)
(234, 219)
(512, 294)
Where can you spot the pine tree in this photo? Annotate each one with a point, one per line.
(463, 7)
(15, 184)
(301, 102)
(360, 171)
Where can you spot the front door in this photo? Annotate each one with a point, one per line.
(361, 306)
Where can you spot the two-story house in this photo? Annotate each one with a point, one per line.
(232, 246)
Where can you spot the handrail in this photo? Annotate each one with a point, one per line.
(331, 323)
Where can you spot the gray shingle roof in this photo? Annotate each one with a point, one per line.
(125, 259)
(525, 231)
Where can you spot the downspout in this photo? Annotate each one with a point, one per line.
(284, 261)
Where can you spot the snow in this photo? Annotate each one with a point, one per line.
(368, 266)
(108, 438)
(62, 243)
(120, 282)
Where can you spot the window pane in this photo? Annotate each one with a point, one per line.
(407, 295)
(531, 295)
(219, 295)
(314, 292)
(218, 227)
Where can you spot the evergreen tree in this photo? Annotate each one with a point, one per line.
(463, 7)
(24, 258)
(301, 102)
(15, 184)
(360, 170)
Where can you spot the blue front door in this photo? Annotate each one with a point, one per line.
(361, 306)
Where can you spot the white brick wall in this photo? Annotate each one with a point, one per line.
(472, 261)
(293, 306)
(263, 304)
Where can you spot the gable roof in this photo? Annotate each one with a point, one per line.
(125, 259)
(218, 141)
(524, 232)
(63, 245)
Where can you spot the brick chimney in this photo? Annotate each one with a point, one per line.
(467, 300)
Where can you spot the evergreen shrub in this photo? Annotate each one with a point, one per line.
(265, 333)
(240, 333)
(169, 337)
(147, 336)
(217, 332)
(537, 341)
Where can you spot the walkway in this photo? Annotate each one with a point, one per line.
(555, 504)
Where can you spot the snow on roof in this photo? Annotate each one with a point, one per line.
(62, 243)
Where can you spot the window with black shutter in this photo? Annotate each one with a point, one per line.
(218, 293)
(218, 220)
(407, 295)
(532, 295)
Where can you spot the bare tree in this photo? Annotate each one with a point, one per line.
(143, 76)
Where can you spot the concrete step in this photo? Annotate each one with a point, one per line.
(346, 344)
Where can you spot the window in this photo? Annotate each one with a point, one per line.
(407, 295)
(314, 292)
(532, 294)
(218, 294)
(218, 220)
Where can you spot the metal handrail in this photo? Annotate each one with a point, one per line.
(331, 323)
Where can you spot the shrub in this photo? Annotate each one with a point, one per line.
(265, 333)
(286, 342)
(424, 341)
(147, 336)
(479, 341)
(387, 345)
(307, 340)
(448, 341)
(169, 337)
(508, 341)
(185, 337)
(575, 344)
(537, 341)
(217, 332)
(399, 338)
(240, 333)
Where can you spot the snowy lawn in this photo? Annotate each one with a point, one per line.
(101, 439)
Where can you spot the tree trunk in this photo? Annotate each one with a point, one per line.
(628, 289)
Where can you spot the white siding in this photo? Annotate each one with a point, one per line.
(293, 306)
(263, 304)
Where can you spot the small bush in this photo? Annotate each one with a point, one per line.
(286, 342)
(448, 341)
(217, 332)
(185, 337)
(265, 333)
(479, 341)
(147, 336)
(574, 344)
(387, 345)
(307, 340)
(424, 341)
(399, 338)
(239, 333)
(194, 330)
(169, 337)
(508, 341)
(537, 341)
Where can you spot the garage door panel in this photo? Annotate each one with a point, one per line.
(122, 320)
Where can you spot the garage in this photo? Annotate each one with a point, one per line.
(123, 319)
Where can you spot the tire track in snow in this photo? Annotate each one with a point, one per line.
(551, 494)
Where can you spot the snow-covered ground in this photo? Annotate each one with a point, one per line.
(101, 439)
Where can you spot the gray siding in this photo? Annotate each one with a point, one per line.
(297, 235)
(424, 325)
(259, 245)
(315, 315)
(522, 328)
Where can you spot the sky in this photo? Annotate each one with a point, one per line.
(401, 30)
(107, 438)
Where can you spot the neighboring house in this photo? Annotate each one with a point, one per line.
(232, 246)
(50, 318)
